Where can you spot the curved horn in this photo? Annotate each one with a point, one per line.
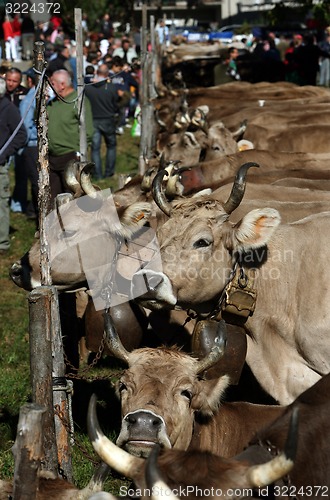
(85, 179)
(113, 341)
(264, 474)
(117, 458)
(158, 194)
(70, 177)
(174, 186)
(154, 480)
(145, 185)
(238, 188)
(159, 121)
(217, 351)
(162, 161)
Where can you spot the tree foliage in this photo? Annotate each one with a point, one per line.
(300, 10)
(119, 10)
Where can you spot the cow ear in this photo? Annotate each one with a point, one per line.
(135, 216)
(209, 393)
(256, 228)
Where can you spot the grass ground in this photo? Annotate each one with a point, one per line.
(14, 352)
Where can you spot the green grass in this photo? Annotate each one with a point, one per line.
(15, 388)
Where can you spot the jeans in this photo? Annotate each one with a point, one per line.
(4, 207)
(104, 127)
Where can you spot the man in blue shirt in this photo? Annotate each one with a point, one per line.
(29, 155)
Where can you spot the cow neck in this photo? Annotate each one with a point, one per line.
(238, 297)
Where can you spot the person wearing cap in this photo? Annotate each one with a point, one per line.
(28, 157)
(9, 120)
(125, 52)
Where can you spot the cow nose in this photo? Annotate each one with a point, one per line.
(16, 273)
(143, 423)
(15, 269)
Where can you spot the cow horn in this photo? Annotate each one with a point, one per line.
(154, 480)
(162, 161)
(117, 458)
(146, 179)
(158, 194)
(113, 341)
(159, 121)
(238, 188)
(70, 176)
(264, 474)
(217, 351)
(174, 187)
(85, 179)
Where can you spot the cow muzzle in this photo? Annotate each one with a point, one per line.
(152, 289)
(20, 275)
(140, 431)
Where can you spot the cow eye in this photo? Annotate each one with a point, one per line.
(201, 243)
(187, 394)
(122, 387)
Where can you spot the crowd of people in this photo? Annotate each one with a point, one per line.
(112, 79)
(299, 59)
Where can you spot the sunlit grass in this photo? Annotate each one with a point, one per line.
(15, 389)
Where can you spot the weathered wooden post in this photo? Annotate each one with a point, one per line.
(28, 451)
(46, 349)
(148, 126)
(80, 83)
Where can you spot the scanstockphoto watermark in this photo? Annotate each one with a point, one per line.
(89, 243)
(221, 256)
(191, 490)
(214, 273)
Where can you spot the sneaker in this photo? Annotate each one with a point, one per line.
(120, 131)
(128, 125)
(15, 206)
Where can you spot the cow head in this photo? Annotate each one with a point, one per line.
(82, 234)
(194, 471)
(199, 247)
(161, 391)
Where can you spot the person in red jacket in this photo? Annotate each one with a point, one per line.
(9, 38)
(16, 25)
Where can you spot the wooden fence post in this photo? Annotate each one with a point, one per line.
(46, 348)
(148, 125)
(28, 451)
(80, 83)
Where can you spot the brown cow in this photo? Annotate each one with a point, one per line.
(195, 473)
(203, 254)
(164, 400)
(153, 393)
